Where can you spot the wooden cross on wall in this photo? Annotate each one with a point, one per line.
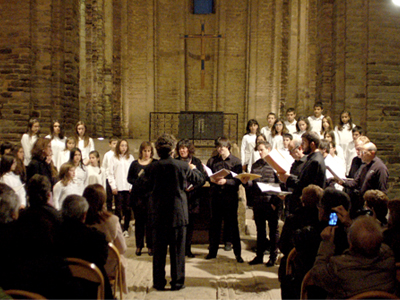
(203, 36)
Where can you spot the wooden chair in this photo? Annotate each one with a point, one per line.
(374, 295)
(88, 271)
(398, 272)
(290, 261)
(307, 281)
(116, 282)
(20, 294)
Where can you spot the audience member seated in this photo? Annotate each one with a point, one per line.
(303, 222)
(27, 257)
(366, 266)
(98, 217)
(392, 234)
(9, 210)
(77, 240)
(332, 199)
(376, 202)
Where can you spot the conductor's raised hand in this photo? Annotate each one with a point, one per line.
(192, 166)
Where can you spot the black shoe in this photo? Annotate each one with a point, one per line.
(228, 247)
(271, 262)
(210, 256)
(150, 252)
(177, 287)
(159, 288)
(190, 255)
(239, 259)
(256, 261)
(138, 251)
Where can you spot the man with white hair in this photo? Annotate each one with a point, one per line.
(373, 175)
(367, 265)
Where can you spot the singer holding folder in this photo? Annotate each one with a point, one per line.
(224, 198)
(312, 172)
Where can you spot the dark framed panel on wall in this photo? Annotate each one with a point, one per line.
(203, 7)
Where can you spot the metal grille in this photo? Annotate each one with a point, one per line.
(169, 122)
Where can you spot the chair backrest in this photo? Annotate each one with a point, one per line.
(374, 295)
(20, 294)
(290, 261)
(114, 255)
(83, 269)
(307, 281)
(398, 272)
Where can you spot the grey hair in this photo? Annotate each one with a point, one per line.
(9, 204)
(296, 143)
(74, 207)
(371, 147)
(365, 236)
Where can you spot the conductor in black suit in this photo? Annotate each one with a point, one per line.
(168, 210)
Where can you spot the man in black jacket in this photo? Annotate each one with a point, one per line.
(266, 207)
(312, 172)
(168, 179)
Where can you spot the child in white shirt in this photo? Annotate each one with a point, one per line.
(315, 120)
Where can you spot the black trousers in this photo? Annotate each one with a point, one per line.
(263, 213)
(110, 196)
(142, 227)
(122, 207)
(224, 208)
(175, 238)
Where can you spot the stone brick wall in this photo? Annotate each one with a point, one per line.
(15, 68)
(112, 62)
(38, 64)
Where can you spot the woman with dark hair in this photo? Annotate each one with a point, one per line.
(98, 217)
(29, 138)
(81, 174)
(57, 141)
(83, 141)
(139, 202)
(249, 143)
(38, 165)
(117, 174)
(302, 126)
(20, 170)
(277, 132)
(185, 151)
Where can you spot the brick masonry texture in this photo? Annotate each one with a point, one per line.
(111, 63)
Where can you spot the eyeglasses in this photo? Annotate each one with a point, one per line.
(278, 124)
(294, 149)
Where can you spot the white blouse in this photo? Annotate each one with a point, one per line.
(106, 160)
(248, 144)
(345, 136)
(27, 143)
(96, 175)
(276, 142)
(60, 192)
(63, 157)
(86, 150)
(14, 182)
(57, 146)
(81, 179)
(266, 131)
(118, 172)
